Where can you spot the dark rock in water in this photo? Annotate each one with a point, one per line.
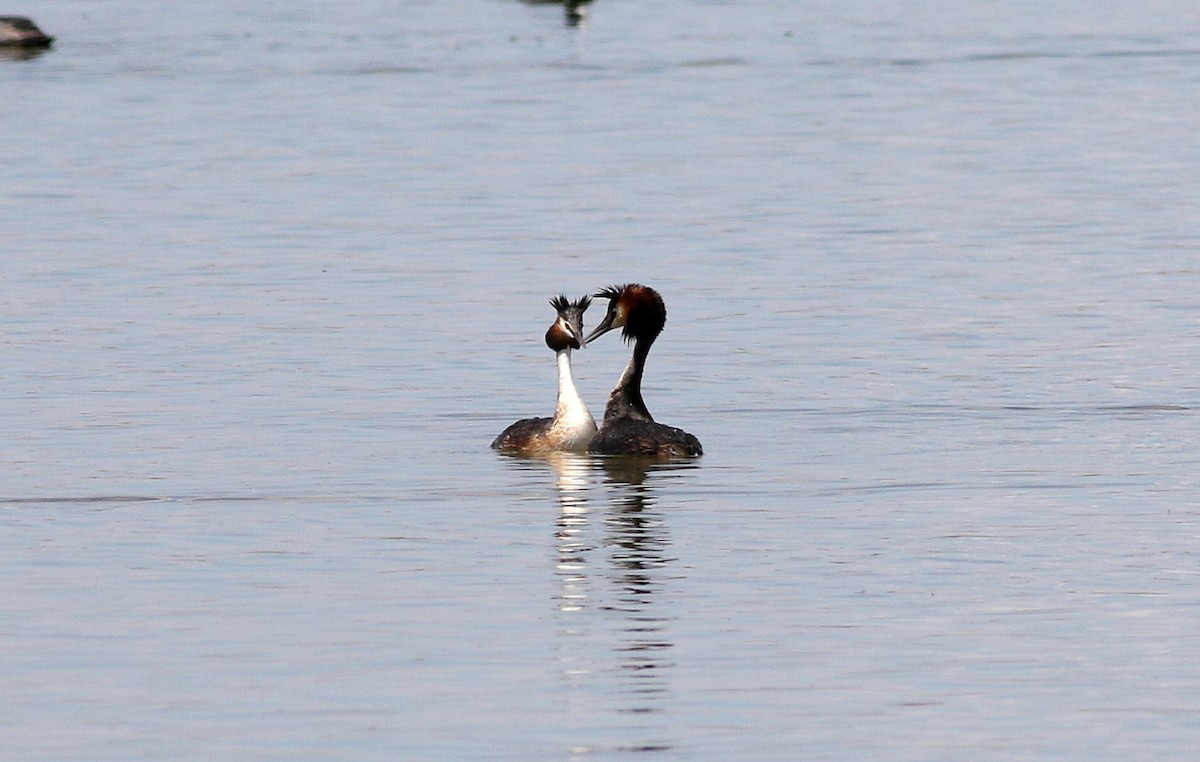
(576, 9)
(20, 32)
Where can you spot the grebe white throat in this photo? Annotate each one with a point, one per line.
(573, 424)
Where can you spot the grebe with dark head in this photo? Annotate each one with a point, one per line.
(572, 427)
(628, 428)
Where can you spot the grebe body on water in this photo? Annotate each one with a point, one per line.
(628, 428)
(572, 428)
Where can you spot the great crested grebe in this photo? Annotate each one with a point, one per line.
(572, 427)
(628, 428)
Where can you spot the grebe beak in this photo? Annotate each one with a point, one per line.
(603, 327)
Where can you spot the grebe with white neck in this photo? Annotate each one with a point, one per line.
(628, 428)
(572, 427)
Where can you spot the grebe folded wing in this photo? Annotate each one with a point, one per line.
(627, 436)
(521, 433)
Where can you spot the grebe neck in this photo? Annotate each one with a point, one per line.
(570, 405)
(625, 401)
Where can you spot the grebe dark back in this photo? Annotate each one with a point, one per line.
(572, 428)
(628, 428)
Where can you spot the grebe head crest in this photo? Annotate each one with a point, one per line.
(638, 310)
(567, 331)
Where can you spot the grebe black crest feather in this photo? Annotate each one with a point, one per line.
(562, 304)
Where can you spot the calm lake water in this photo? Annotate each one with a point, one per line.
(275, 274)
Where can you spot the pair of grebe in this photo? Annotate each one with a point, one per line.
(627, 428)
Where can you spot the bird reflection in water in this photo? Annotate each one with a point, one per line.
(639, 546)
(612, 568)
(576, 10)
(573, 474)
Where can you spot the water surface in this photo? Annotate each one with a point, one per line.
(275, 277)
